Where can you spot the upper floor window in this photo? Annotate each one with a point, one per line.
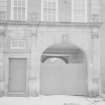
(79, 10)
(19, 10)
(49, 10)
(3, 9)
(66, 11)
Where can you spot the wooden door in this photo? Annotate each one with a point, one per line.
(17, 76)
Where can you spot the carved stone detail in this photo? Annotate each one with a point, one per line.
(95, 33)
(65, 38)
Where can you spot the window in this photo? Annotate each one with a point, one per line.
(64, 10)
(3, 9)
(19, 10)
(17, 44)
(79, 10)
(49, 10)
(73, 10)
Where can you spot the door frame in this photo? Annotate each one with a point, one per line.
(6, 70)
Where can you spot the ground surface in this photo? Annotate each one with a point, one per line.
(51, 100)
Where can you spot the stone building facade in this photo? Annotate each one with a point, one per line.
(37, 37)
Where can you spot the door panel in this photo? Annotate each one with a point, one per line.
(17, 75)
(75, 79)
(50, 79)
(63, 78)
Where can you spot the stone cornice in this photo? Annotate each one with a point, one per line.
(52, 24)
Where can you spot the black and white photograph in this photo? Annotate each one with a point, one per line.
(52, 52)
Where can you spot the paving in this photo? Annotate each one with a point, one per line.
(52, 100)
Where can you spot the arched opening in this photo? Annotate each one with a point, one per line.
(63, 71)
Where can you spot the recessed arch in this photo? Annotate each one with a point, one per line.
(69, 77)
(64, 51)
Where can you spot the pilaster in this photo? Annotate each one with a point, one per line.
(34, 79)
(2, 33)
(94, 73)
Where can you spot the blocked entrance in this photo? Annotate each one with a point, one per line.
(63, 71)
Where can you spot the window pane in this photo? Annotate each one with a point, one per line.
(15, 3)
(15, 12)
(19, 13)
(49, 10)
(23, 4)
(23, 13)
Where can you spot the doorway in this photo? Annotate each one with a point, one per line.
(17, 76)
(63, 71)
